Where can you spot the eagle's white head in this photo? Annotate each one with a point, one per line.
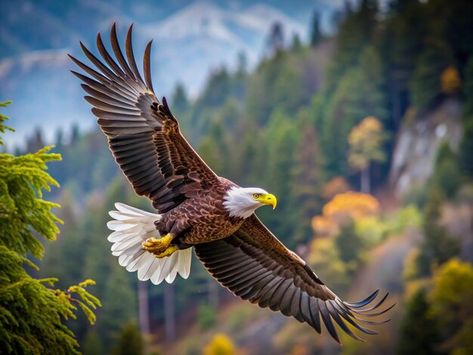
(243, 201)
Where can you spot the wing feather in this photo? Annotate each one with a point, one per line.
(143, 135)
(255, 266)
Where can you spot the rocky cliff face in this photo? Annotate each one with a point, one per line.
(417, 143)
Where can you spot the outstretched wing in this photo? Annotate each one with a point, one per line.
(256, 266)
(143, 135)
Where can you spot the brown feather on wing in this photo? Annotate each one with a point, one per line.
(143, 135)
(256, 266)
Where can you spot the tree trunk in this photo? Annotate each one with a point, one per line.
(365, 180)
(143, 307)
(169, 317)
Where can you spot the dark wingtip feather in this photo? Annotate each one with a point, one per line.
(336, 317)
(324, 312)
(375, 314)
(130, 55)
(75, 60)
(364, 302)
(366, 311)
(147, 65)
(118, 52)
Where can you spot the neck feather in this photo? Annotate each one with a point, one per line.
(239, 203)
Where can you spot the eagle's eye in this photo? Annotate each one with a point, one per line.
(256, 196)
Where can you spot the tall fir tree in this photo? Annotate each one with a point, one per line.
(438, 245)
(32, 311)
(315, 31)
(419, 333)
(307, 178)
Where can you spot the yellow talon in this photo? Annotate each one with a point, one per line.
(157, 245)
(169, 251)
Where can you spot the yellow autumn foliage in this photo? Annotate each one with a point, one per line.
(453, 290)
(450, 301)
(366, 140)
(220, 345)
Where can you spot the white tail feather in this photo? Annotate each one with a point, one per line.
(131, 227)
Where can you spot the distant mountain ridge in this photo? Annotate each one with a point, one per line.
(191, 38)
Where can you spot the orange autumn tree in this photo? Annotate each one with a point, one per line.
(337, 249)
(450, 81)
(335, 186)
(341, 209)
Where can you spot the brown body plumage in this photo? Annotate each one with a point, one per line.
(202, 218)
(240, 252)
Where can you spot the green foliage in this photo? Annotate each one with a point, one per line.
(438, 245)
(350, 246)
(349, 103)
(419, 331)
(405, 218)
(315, 33)
(466, 149)
(22, 210)
(206, 316)
(447, 176)
(425, 83)
(354, 33)
(3, 118)
(32, 313)
(240, 317)
(324, 257)
(451, 304)
(345, 108)
(130, 341)
(307, 178)
(440, 322)
(119, 301)
(468, 89)
(92, 344)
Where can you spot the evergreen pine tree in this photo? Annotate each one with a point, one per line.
(130, 341)
(275, 41)
(418, 330)
(315, 33)
(425, 83)
(438, 245)
(181, 106)
(468, 89)
(466, 149)
(32, 312)
(307, 178)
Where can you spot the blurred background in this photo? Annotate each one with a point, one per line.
(358, 115)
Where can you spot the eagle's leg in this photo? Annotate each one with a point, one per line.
(168, 252)
(158, 246)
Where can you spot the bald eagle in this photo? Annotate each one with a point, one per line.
(195, 207)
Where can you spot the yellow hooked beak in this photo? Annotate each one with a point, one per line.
(267, 199)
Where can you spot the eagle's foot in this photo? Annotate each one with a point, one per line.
(168, 252)
(157, 245)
